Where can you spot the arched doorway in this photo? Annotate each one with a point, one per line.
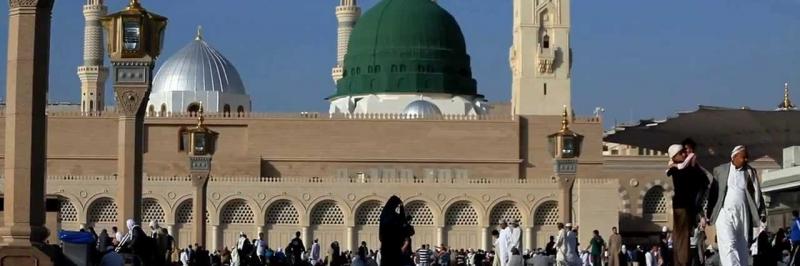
(193, 108)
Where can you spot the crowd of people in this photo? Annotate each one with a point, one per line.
(730, 197)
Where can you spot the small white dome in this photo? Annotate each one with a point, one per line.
(422, 109)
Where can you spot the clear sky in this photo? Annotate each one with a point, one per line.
(637, 59)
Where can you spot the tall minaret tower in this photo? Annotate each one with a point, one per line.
(541, 57)
(93, 73)
(347, 14)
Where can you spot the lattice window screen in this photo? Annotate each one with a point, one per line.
(282, 212)
(461, 213)
(546, 214)
(237, 212)
(183, 214)
(654, 201)
(103, 210)
(369, 213)
(67, 212)
(420, 213)
(505, 210)
(327, 212)
(152, 211)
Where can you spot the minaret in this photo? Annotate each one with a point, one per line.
(541, 57)
(347, 14)
(93, 73)
(786, 104)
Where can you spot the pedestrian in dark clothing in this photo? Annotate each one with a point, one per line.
(393, 231)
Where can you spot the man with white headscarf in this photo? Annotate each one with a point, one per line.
(503, 248)
(515, 235)
(738, 207)
(137, 243)
(571, 242)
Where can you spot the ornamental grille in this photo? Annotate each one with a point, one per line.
(183, 215)
(369, 213)
(654, 201)
(327, 212)
(461, 213)
(546, 214)
(103, 210)
(152, 211)
(237, 212)
(67, 211)
(282, 212)
(505, 210)
(420, 213)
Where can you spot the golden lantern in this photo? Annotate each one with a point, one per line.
(134, 32)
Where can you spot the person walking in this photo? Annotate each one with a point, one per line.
(502, 243)
(690, 182)
(515, 235)
(295, 249)
(738, 207)
(614, 247)
(794, 237)
(561, 245)
(597, 245)
(315, 253)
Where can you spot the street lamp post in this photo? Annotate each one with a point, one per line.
(199, 142)
(134, 39)
(565, 147)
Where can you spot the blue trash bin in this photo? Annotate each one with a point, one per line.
(78, 246)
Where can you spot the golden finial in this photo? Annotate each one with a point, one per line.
(200, 117)
(134, 4)
(199, 36)
(564, 121)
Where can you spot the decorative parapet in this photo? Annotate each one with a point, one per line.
(299, 115)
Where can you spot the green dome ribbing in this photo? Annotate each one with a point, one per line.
(406, 46)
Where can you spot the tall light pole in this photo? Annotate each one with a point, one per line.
(199, 142)
(134, 42)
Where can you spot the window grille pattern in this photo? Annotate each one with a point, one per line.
(505, 210)
(327, 212)
(282, 212)
(420, 213)
(152, 211)
(369, 213)
(103, 210)
(183, 215)
(461, 213)
(237, 212)
(546, 214)
(66, 211)
(654, 201)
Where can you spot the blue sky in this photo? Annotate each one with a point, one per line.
(637, 59)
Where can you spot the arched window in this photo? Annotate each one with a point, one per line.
(163, 110)
(546, 214)
(369, 213)
(226, 109)
(152, 211)
(654, 201)
(237, 212)
(327, 213)
(546, 41)
(505, 210)
(151, 110)
(420, 213)
(461, 213)
(183, 215)
(193, 108)
(402, 68)
(394, 68)
(377, 69)
(67, 211)
(282, 212)
(240, 111)
(91, 106)
(103, 210)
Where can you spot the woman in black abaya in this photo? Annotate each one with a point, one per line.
(393, 231)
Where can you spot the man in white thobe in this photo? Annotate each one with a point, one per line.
(515, 235)
(315, 256)
(738, 208)
(572, 246)
(503, 248)
(561, 246)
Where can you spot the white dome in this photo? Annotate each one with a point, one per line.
(422, 109)
(198, 67)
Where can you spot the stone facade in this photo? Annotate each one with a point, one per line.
(328, 176)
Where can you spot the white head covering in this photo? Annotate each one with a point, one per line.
(514, 221)
(737, 149)
(568, 225)
(673, 150)
(502, 221)
(130, 223)
(153, 224)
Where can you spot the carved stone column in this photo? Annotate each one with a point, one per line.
(132, 82)
(199, 167)
(25, 133)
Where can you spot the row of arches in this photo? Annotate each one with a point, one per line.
(191, 108)
(326, 212)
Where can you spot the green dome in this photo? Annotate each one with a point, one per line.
(406, 46)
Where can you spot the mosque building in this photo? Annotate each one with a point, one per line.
(406, 118)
